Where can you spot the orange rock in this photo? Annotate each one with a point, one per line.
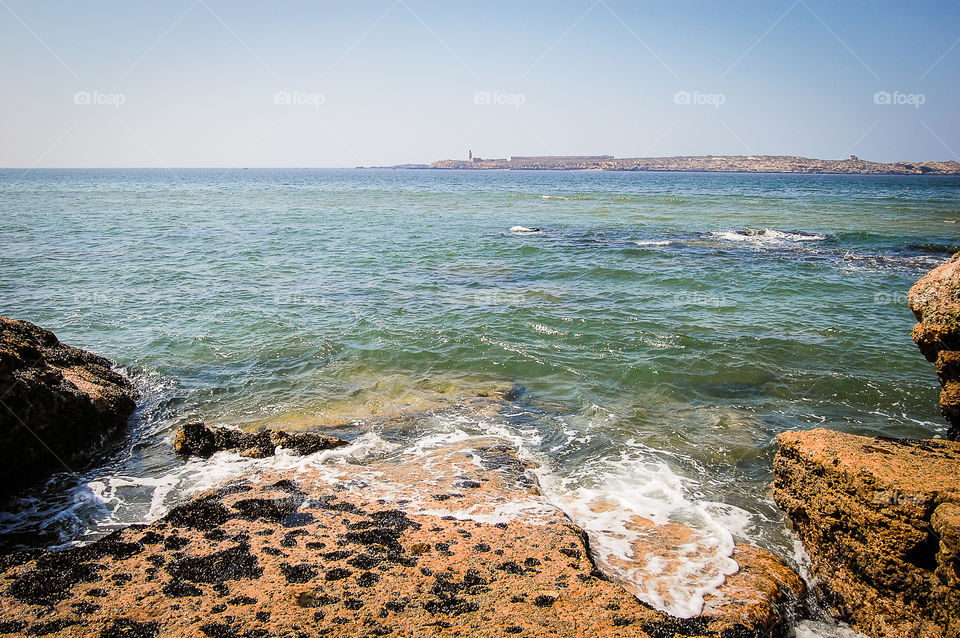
(880, 521)
(453, 541)
(935, 301)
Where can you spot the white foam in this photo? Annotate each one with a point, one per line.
(603, 498)
(539, 327)
(764, 236)
(663, 242)
(107, 502)
(524, 230)
(823, 629)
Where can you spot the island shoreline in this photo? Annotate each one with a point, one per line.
(765, 164)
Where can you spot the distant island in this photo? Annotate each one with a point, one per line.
(712, 163)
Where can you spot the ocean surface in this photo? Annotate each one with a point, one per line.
(653, 331)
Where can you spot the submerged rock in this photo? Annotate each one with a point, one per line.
(197, 439)
(393, 400)
(456, 540)
(57, 404)
(935, 301)
(880, 519)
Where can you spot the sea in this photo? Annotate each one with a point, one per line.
(651, 333)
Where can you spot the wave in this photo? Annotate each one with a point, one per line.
(765, 236)
(931, 247)
(890, 261)
(525, 230)
(662, 242)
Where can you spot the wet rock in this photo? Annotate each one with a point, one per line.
(935, 301)
(305, 443)
(759, 597)
(198, 439)
(879, 519)
(59, 404)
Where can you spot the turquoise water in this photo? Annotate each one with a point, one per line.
(655, 320)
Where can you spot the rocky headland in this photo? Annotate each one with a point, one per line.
(58, 404)
(880, 517)
(709, 163)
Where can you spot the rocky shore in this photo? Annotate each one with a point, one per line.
(459, 542)
(709, 163)
(457, 538)
(58, 404)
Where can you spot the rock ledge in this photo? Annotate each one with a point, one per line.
(880, 519)
(457, 541)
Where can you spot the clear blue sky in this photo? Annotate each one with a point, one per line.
(205, 82)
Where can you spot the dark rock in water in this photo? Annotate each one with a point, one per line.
(305, 443)
(58, 404)
(201, 440)
(935, 301)
(880, 519)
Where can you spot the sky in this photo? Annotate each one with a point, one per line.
(230, 83)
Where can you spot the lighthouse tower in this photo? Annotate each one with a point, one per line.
(469, 156)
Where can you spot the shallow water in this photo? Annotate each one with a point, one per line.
(662, 328)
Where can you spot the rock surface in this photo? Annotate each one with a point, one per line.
(57, 404)
(880, 519)
(451, 541)
(197, 439)
(935, 300)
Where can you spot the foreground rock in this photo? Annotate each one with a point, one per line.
(57, 404)
(935, 300)
(454, 541)
(880, 519)
(197, 439)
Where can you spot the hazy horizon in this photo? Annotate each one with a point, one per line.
(215, 84)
